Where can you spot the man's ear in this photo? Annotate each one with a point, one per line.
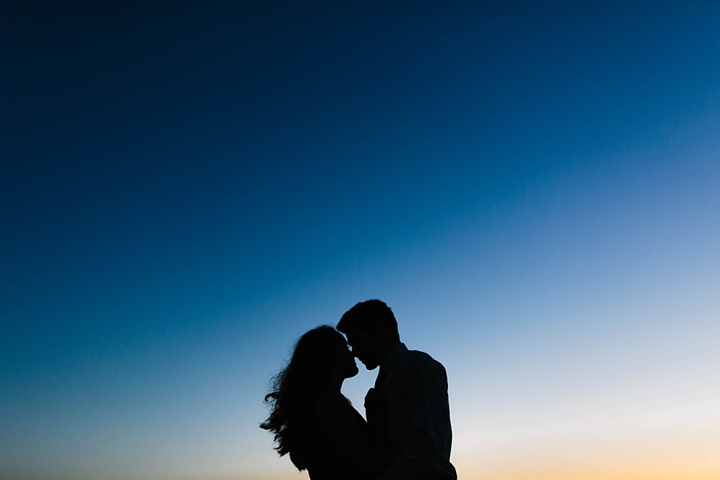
(381, 331)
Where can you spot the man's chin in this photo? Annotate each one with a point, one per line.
(370, 365)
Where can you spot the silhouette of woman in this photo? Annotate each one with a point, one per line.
(312, 421)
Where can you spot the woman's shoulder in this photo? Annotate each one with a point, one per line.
(332, 406)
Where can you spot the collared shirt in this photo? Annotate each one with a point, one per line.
(419, 436)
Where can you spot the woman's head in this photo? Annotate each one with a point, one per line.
(320, 361)
(321, 358)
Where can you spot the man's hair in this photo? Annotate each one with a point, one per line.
(367, 316)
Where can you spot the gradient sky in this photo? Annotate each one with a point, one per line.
(186, 187)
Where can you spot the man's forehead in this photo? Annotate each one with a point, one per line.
(357, 336)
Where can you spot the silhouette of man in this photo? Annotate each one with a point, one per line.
(410, 396)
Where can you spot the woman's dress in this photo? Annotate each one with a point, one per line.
(322, 457)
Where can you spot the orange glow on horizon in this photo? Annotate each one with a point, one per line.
(671, 454)
(666, 455)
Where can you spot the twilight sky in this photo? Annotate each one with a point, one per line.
(186, 187)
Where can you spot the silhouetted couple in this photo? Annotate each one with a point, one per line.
(407, 434)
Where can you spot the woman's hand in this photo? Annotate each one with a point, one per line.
(375, 406)
(376, 412)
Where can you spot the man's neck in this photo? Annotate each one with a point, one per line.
(386, 351)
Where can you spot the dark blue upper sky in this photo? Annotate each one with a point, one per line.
(130, 120)
(256, 140)
(164, 163)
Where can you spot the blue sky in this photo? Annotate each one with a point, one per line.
(186, 189)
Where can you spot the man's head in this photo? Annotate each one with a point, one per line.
(371, 331)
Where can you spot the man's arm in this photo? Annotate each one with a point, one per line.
(425, 388)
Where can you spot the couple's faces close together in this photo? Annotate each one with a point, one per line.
(345, 361)
(364, 347)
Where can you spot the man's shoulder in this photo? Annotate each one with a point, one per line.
(422, 360)
(417, 368)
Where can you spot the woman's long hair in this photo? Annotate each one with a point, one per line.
(296, 387)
